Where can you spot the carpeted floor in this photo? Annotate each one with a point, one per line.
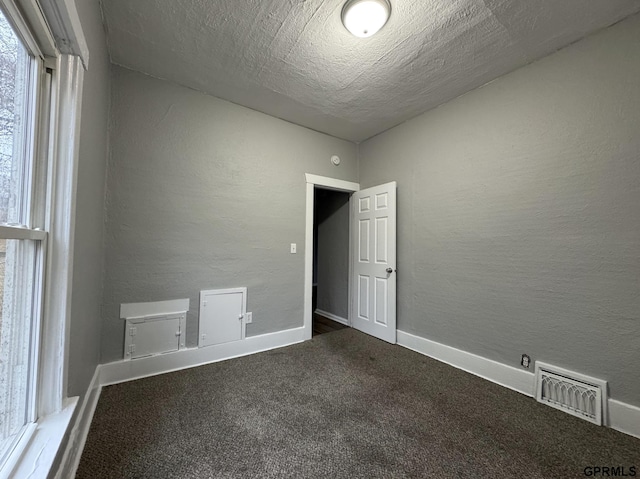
(342, 405)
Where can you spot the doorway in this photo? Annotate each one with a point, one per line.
(313, 182)
(330, 301)
(371, 287)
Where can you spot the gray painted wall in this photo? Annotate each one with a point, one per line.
(332, 216)
(519, 213)
(204, 194)
(86, 322)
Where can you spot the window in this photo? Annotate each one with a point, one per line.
(23, 114)
(40, 94)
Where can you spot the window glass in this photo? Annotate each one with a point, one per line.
(17, 273)
(14, 126)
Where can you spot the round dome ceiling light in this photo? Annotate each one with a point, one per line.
(364, 18)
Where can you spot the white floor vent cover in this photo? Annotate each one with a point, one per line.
(571, 392)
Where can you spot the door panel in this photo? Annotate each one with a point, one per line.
(374, 287)
(364, 240)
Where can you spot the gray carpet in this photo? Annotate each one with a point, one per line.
(341, 405)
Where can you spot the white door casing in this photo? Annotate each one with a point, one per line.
(373, 280)
(314, 181)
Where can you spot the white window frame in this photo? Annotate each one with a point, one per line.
(35, 451)
(30, 215)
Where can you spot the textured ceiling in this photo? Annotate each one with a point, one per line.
(293, 59)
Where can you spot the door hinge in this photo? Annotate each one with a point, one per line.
(133, 331)
(132, 349)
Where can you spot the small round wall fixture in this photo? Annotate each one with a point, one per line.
(335, 160)
(364, 18)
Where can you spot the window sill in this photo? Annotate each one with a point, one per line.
(37, 457)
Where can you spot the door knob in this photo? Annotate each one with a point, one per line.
(389, 270)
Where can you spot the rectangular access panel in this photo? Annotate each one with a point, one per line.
(222, 316)
(155, 327)
(155, 337)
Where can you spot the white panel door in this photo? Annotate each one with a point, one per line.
(222, 314)
(373, 281)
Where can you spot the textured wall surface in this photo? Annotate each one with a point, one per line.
(519, 213)
(204, 194)
(295, 60)
(332, 216)
(86, 323)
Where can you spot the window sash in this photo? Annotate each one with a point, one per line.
(22, 272)
(34, 149)
(32, 205)
(21, 233)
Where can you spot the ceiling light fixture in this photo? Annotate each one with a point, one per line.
(364, 18)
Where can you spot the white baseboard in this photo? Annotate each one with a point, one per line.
(123, 371)
(507, 376)
(335, 317)
(80, 431)
(624, 417)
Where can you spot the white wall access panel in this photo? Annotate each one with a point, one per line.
(150, 336)
(222, 316)
(154, 328)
